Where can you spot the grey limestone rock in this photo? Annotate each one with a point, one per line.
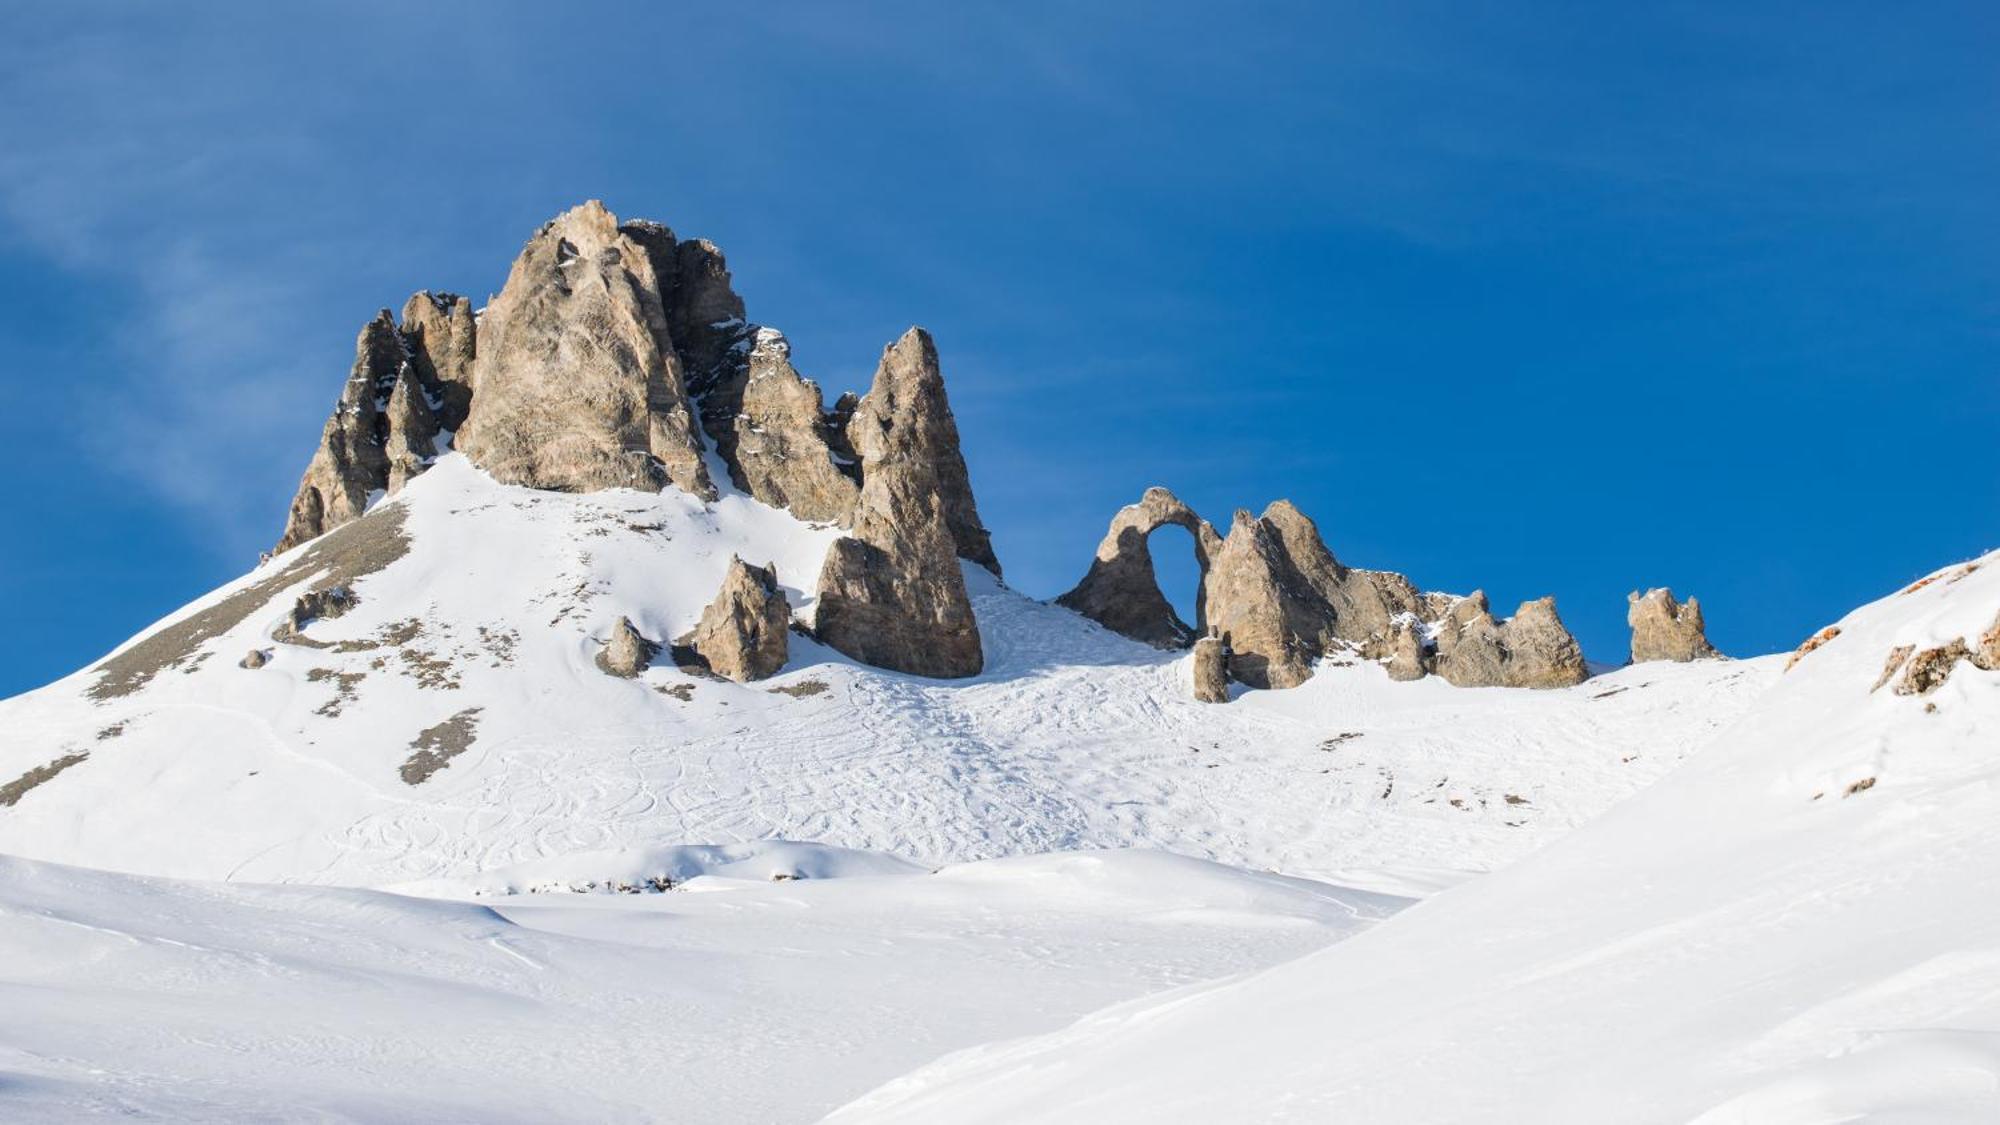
(1120, 591)
(1211, 670)
(579, 387)
(1665, 629)
(1531, 649)
(627, 653)
(891, 594)
(743, 632)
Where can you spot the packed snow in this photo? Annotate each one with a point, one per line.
(1796, 926)
(427, 860)
(1072, 738)
(751, 1000)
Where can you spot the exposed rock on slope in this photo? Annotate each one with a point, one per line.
(352, 461)
(627, 653)
(579, 387)
(892, 594)
(742, 634)
(1211, 670)
(1530, 649)
(1280, 600)
(443, 341)
(1664, 629)
(775, 439)
(1121, 593)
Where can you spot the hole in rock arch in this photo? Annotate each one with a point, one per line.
(1175, 569)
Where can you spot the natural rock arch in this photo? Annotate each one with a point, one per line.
(1122, 593)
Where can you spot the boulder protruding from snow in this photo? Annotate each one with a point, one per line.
(1665, 629)
(892, 594)
(579, 387)
(1211, 670)
(1121, 593)
(1531, 649)
(743, 632)
(626, 653)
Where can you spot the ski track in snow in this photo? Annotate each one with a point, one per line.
(1071, 738)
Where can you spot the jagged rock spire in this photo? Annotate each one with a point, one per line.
(611, 351)
(443, 341)
(352, 461)
(579, 387)
(892, 594)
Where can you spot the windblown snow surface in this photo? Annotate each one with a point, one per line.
(493, 614)
(1798, 925)
(382, 876)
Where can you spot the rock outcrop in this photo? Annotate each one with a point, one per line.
(892, 594)
(443, 341)
(578, 385)
(1408, 658)
(1530, 649)
(1986, 652)
(1929, 668)
(1211, 670)
(1664, 629)
(1121, 593)
(626, 653)
(1282, 600)
(1256, 601)
(743, 632)
(776, 440)
(1278, 599)
(351, 464)
(617, 355)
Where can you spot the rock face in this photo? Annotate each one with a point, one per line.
(903, 429)
(743, 632)
(776, 440)
(627, 653)
(1664, 629)
(1121, 593)
(352, 462)
(1211, 670)
(892, 594)
(1408, 658)
(443, 342)
(1278, 600)
(578, 385)
(1282, 600)
(409, 387)
(615, 356)
(1530, 649)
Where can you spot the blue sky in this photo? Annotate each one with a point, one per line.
(1539, 298)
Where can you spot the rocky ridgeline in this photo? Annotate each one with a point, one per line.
(616, 356)
(620, 356)
(1273, 599)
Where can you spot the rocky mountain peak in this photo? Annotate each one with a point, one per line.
(618, 355)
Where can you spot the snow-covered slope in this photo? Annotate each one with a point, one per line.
(128, 996)
(1799, 925)
(455, 721)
